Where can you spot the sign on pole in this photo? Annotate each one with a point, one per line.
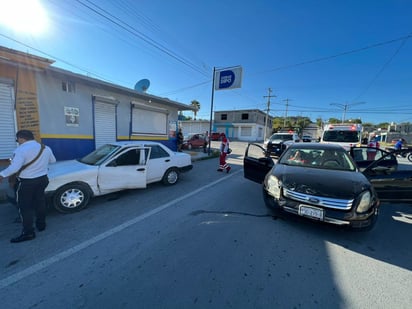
(229, 78)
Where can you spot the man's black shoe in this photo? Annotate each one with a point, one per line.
(23, 237)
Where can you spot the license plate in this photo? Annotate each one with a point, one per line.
(311, 212)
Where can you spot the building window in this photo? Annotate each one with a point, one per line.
(223, 117)
(245, 116)
(68, 86)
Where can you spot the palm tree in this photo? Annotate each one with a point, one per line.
(195, 104)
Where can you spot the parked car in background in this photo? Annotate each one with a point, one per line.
(278, 142)
(214, 136)
(110, 168)
(306, 138)
(194, 140)
(323, 182)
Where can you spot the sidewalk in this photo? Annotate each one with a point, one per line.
(198, 154)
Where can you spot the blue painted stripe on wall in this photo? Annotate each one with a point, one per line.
(68, 148)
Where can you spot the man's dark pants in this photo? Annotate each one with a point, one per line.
(31, 201)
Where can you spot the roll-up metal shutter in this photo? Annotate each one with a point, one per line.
(7, 121)
(104, 123)
(149, 119)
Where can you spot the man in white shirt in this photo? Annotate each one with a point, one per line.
(30, 161)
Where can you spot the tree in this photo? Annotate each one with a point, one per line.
(195, 104)
(334, 120)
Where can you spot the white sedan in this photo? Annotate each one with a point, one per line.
(110, 168)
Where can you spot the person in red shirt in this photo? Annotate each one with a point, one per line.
(224, 150)
(371, 153)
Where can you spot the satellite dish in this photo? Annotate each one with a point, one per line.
(142, 85)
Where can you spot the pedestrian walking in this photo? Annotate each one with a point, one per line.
(30, 164)
(224, 151)
(180, 139)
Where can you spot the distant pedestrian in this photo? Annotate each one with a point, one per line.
(399, 144)
(224, 150)
(206, 142)
(30, 164)
(180, 139)
(371, 152)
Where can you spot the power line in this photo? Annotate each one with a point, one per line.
(382, 69)
(338, 55)
(127, 27)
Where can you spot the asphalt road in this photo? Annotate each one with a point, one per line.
(207, 242)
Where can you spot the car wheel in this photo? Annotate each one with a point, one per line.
(71, 198)
(171, 176)
(189, 146)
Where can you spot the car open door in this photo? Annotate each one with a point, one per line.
(255, 163)
(127, 170)
(392, 181)
(365, 156)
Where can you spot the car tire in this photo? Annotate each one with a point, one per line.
(71, 198)
(171, 176)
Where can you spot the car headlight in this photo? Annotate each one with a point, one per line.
(273, 186)
(365, 202)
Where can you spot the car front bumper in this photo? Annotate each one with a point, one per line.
(185, 168)
(333, 216)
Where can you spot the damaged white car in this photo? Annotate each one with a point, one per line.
(110, 168)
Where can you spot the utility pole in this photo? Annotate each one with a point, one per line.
(267, 111)
(345, 107)
(286, 112)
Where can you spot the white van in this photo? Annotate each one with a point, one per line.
(344, 134)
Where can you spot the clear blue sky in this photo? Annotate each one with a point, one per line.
(315, 53)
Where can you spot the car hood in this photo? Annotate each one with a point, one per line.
(69, 167)
(322, 182)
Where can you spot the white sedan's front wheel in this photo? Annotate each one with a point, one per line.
(71, 198)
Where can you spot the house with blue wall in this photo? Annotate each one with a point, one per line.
(75, 114)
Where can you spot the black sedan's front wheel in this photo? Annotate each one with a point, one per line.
(71, 198)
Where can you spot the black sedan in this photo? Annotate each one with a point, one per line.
(324, 183)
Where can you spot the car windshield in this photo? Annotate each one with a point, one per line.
(318, 158)
(284, 137)
(99, 155)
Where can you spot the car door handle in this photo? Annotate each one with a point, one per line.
(167, 160)
(142, 169)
